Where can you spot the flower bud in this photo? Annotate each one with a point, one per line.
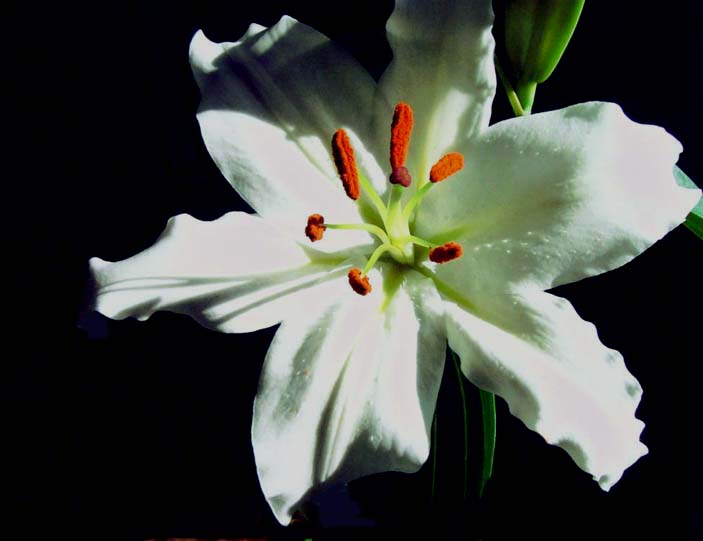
(531, 37)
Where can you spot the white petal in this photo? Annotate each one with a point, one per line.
(271, 103)
(555, 197)
(234, 274)
(534, 351)
(443, 67)
(348, 391)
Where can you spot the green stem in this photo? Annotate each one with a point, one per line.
(510, 91)
(465, 410)
(378, 252)
(394, 197)
(417, 240)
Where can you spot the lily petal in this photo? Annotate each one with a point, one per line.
(534, 351)
(234, 274)
(443, 67)
(349, 391)
(271, 103)
(555, 197)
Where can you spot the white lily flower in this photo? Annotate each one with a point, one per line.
(350, 381)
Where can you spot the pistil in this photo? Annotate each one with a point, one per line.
(395, 238)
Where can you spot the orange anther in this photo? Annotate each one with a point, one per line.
(401, 127)
(344, 160)
(315, 228)
(359, 282)
(446, 252)
(446, 166)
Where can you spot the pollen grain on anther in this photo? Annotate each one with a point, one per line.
(401, 128)
(446, 252)
(315, 228)
(359, 282)
(446, 166)
(344, 160)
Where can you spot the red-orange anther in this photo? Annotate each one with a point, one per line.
(359, 282)
(401, 127)
(344, 160)
(446, 252)
(446, 166)
(315, 228)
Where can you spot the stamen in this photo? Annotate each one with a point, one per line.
(344, 160)
(415, 199)
(377, 253)
(401, 128)
(446, 252)
(446, 166)
(380, 233)
(359, 282)
(418, 241)
(315, 228)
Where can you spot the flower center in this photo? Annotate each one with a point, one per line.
(395, 237)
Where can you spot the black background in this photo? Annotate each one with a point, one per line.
(127, 429)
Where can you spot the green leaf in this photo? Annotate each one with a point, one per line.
(487, 429)
(488, 416)
(465, 410)
(694, 220)
(433, 489)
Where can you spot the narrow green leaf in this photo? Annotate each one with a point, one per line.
(465, 410)
(695, 224)
(488, 416)
(694, 220)
(433, 488)
(487, 431)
